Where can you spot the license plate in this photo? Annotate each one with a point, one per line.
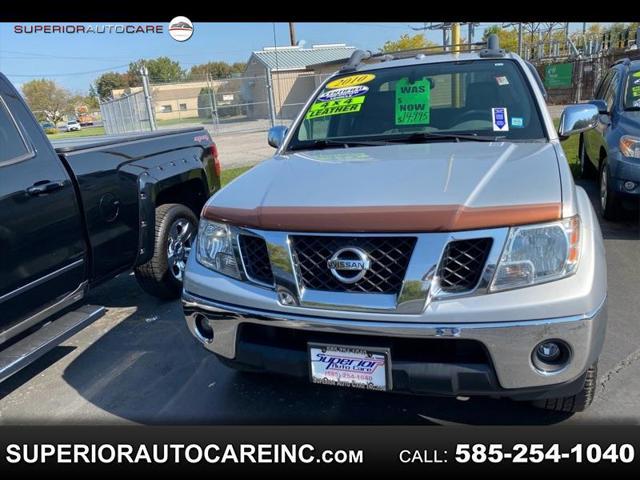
(348, 366)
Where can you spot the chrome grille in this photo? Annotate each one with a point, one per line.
(255, 258)
(389, 258)
(462, 264)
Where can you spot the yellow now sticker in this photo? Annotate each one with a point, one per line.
(351, 80)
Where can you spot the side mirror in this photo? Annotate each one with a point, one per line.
(276, 135)
(577, 119)
(601, 105)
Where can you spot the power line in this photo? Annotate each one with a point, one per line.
(42, 75)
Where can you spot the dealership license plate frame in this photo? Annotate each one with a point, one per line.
(384, 352)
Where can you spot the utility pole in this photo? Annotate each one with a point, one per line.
(292, 33)
(520, 39)
(470, 34)
(445, 27)
(147, 97)
(455, 37)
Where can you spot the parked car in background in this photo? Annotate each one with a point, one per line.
(418, 230)
(611, 151)
(49, 128)
(77, 215)
(73, 126)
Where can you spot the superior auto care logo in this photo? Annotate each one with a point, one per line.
(100, 29)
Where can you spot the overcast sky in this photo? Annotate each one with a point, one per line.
(76, 60)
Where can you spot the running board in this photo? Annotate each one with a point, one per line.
(35, 345)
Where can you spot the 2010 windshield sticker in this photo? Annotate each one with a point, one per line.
(500, 119)
(351, 80)
(335, 107)
(346, 92)
(413, 102)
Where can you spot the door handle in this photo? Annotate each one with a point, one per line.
(43, 187)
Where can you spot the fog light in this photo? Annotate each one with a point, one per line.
(551, 356)
(286, 298)
(548, 351)
(204, 328)
(629, 185)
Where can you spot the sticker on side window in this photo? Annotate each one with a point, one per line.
(351, 80)
(500, 119)
(413, 102)
(335, 107)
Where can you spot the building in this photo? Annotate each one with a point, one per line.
(286, 69)
(174, 101)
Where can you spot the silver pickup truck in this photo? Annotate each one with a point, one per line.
(418, 230)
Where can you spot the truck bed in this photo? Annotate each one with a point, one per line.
(84, 143)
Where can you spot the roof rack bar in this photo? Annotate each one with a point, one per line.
(624, 61)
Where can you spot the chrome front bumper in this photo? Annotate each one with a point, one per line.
(509, 344)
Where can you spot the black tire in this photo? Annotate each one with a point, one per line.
(575, 403)
(610, 204)
(587, 169)
(158, 276)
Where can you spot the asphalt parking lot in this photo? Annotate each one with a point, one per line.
(140, 364)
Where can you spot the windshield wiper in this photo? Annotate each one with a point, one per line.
(320, 144)
(426, 136)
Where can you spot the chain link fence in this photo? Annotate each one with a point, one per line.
(125, 114)
(573, 79)
(228, 105)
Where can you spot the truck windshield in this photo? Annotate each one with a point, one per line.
(465, 100)
(632, 100)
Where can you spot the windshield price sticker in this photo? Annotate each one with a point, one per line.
(500, 119)
(351, 80)
(413, 102)
(335, 107)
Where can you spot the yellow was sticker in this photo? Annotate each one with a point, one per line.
(335, 107)
(351, 80)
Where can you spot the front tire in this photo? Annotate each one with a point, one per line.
(575, 403)
(162, 275)
(610, 204)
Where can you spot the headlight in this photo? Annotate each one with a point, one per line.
(538, 253)
(215, 248)
(630, 146)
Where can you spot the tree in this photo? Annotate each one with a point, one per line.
(216, 70)
(508, 38)
(205, 103)
(107, 82)
(47, 100)
(407, 42)
(161, 69)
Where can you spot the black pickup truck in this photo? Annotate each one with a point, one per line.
(77, 214)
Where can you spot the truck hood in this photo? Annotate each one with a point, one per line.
(414, 186)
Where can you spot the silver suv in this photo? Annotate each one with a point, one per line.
(418, 230)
